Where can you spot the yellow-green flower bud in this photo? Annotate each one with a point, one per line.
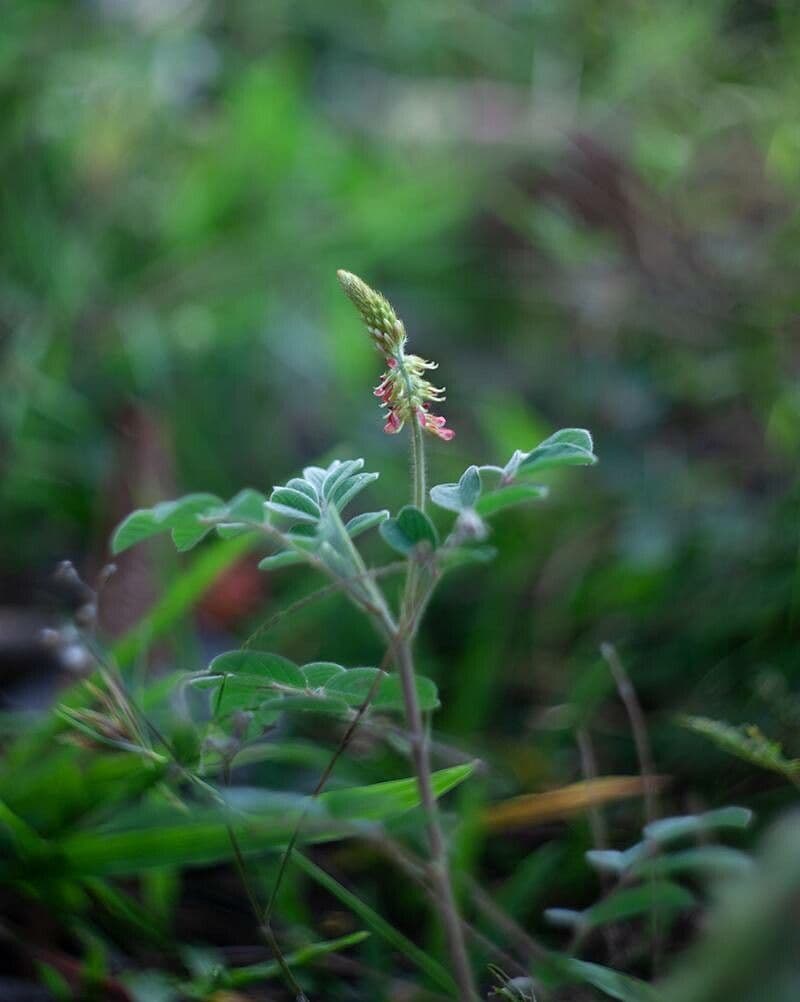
(384, 326)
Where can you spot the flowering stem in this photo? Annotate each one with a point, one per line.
(439, 865)
(420, 749)
(418, 464)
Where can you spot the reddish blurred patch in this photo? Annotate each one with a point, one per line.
(235, 594)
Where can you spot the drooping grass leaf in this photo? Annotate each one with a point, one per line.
(171, 837)
(240, 977)
(392, 797)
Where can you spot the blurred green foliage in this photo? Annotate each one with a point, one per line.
(587, 212)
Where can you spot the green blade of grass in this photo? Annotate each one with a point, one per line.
(378, 924)
(158, 836)
(242, 976)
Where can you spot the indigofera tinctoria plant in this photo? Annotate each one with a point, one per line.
(307, 520)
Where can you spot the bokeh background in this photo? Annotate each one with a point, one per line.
(585, 211)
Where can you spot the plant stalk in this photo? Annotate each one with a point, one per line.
(439, 864)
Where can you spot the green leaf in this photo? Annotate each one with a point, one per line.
(349, 488)
(409, 530)
(298, 484)
(363, 523)
(171, 837)
(234, 693)
(660, 897)
(318, 673)
(138, 526)
(184, 520)
(354, 686)
(457, 497)
(469, 487)
(614, 861)
(246, 506)
(618, 986)
(286, 558)
(655, 896)
(390, 694)
(338, 473)
(507, 497)
(293, 504)
(315, 477)
(381, 800)
(264, 667)
(179, 515)
(452, 558)
(705, 860)
(308, 703)
(568, 447)
(446, 496)
(671, 829)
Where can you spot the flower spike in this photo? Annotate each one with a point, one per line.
(384, 326)
(403, 390)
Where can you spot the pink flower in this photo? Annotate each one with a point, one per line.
(435, 424)
(403, 390)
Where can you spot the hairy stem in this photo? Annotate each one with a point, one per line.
(420, 749)
(418, 464)
(439, 863)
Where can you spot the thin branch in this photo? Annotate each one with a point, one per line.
(597, 822)
(527, 947)
(599, 829)
(321, 783)
(641, 739)
(320, 593)
(415, 868)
